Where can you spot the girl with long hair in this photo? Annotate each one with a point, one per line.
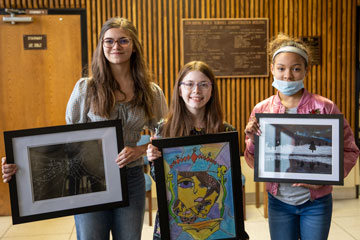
(120, 88)
(194, 110)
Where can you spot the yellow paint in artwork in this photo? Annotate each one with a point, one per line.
(202, 230)
(213, 148)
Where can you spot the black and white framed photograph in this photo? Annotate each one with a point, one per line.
(65, 170)
(299, 148)
(199, 189)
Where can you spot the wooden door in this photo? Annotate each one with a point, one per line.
(36, 84)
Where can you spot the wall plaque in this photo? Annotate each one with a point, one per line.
(314, 44)
(233, 47)
(35, 42)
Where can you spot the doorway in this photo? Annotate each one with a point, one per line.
(40, 63)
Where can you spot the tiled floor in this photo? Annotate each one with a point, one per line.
(345, 225)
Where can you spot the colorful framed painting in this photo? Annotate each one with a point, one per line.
(199, 188)
(65, 170)
(300, 148)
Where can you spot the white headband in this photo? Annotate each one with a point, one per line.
(293, 50)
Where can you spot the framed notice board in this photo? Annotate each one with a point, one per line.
(233, 47)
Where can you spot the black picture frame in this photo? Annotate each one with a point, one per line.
(65, 170)
(300, 148)
(209, 163)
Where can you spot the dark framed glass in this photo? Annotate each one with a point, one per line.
(110, 42)
(65, 170)
(198, 182)
(300, 148)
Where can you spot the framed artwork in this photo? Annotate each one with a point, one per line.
(300, 148)
(65, 170)
(199, 189)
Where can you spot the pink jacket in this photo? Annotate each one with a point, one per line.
(309, 103)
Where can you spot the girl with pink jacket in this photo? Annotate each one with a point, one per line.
(296, 210)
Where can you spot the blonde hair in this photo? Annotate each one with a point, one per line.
(282, 40)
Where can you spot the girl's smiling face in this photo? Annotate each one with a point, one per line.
(118, 53)
(195, 89)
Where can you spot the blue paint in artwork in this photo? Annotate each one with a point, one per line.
(204, 172)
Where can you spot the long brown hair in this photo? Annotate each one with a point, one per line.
(179, 121)
(102, 85)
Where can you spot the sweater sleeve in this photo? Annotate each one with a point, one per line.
(76, 111)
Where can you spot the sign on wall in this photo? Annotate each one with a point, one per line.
(35, 42)
(314, 44)
(233, 47)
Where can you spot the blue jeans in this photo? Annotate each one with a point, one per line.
(124, 223)
(307, 221)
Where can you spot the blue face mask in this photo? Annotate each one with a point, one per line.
(288, 88)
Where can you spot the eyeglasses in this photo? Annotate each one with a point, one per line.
(109, 42)
(200, 85)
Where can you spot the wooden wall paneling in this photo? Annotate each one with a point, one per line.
(326, 63)
(329, 50)
(173, 45)
(275, 17)
(334, 53)
(310, 32)
(29, 4)
(145, 38)
(323, 21)
(93, 32)
(333, 50)
(89, 35)
(160, 46)
(128, 12)
(338, 60)
(227, 91)
(289, 14)
(103, 13)
(296, 17)
(261, 7)
(155, 40)
(351, 72)
(281, 16)
(344, 60)
(270, 15)
(207, 9)
(177, 38)
(221, 86)
(239, 119)
(318, 33)
(233, 102)
(148, 28)
(158, 23)
(166, 44)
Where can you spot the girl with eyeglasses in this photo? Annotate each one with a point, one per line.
(296, 210)
(194, 110)
(119, 88)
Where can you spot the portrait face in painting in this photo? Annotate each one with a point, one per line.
(197, 193)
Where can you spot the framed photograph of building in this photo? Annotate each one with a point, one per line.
(300, 148)
(65, 170)
(198, 180)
